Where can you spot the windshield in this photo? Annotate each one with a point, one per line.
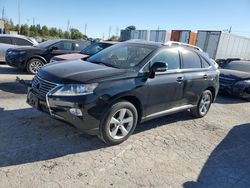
(45, 44)
(123, 55)
(238, 66)
(95, 48)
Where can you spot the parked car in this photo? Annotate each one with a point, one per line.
(85, 53)
(235, 79)
(125, 84)
(12, 41)
(33, 58)
(222, 62)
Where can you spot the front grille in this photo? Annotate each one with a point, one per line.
(226, 81)
(41, 87)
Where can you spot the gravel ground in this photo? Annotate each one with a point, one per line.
(173, 151)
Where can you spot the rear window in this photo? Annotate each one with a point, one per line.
(21, 42)
(191, 60)
(5, 40)
(238, 66)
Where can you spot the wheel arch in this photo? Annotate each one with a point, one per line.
(133, 100)
(213, 91)
(36, 57)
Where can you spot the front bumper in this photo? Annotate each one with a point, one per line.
(18, 61)
(59, 108)
(242, 92)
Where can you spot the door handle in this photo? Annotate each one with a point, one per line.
(205, 76)
(180, 79)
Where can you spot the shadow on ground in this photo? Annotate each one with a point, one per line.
(11, 70)
(28, 136)
(228, 99)
(229, 164)
(13, 87)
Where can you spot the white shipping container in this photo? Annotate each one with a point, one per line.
(222, 45)
(162, 36)
(140, 34)
(231, 46)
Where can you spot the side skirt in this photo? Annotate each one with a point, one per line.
(167, 112)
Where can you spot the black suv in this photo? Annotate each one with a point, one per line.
(124, 85)
(34, 57)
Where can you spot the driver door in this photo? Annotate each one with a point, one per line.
(166, 88)
(63, 47)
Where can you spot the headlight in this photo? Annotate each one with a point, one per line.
(76, 89)
(16, 52)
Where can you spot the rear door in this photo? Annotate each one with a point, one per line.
(196, 76)
(63, 47)
(166, 88)
(21, 42)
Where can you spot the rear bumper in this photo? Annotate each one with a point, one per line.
(59, 108)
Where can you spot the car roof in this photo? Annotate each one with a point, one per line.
(144, 42)
(9, 35)
(241, 62)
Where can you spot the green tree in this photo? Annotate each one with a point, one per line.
(53, 32)
(76, 34)
(113, 38)
(66, 35)
(24, 30)
(60, 33)
(33, 32)
(39, 30)
(130, 28)
(45, 31)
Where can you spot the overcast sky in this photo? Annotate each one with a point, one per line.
(99, 15)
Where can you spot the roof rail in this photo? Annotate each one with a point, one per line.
(170, 43)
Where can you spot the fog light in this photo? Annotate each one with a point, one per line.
(75, 111)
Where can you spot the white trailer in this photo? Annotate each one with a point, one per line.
(222, 45)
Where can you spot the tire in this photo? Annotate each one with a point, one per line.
(114, 131)
(34, 65)
(203, 105)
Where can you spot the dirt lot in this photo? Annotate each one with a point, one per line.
(173, 151)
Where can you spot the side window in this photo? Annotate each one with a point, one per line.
(170, 56)
(190, 59)
(205, 64)
(67, 46)
(80, 46)
(5, 40)
(21, 42)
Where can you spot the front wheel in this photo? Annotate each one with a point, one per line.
(203, 105)
(118, 123)
(34, 65)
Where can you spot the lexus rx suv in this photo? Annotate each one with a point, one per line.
(125, 84)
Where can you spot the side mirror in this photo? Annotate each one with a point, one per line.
(53, 48)
(159, 67)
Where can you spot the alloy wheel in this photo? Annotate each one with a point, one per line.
(35, 66)
(121, 123)
(205, 104)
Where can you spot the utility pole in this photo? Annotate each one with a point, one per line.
(3, 12)
(85, 29)
(117, 31)
(110, 31)
(230, 29)
(19, 17)
(33, 21)
(68, 25)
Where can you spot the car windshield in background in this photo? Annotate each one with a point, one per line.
(45, 44)
(238, 66)
(94, 48)
(122, 56)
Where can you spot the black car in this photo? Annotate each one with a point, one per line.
(124, 85)
(235, 79)
(33, 58)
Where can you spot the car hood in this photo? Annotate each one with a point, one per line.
(79, 72)
(233, 74)
(74, 56)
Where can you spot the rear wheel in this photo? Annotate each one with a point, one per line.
(119, 123)
(34, 65)
(204, 104)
